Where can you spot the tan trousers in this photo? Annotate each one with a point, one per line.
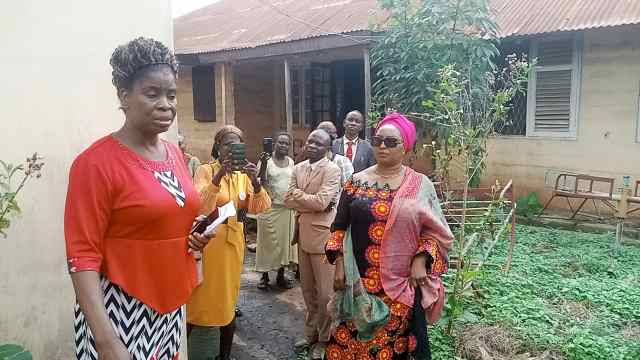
(316, 278)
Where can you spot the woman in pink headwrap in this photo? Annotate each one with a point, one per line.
(389, 243)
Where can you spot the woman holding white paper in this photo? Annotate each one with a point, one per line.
(130, 206)
(213, 302)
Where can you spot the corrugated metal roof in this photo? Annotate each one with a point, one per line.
(241, 24)
(533, 17)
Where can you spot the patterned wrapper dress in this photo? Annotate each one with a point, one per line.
(365, 210)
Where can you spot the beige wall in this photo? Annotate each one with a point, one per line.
(57, 98)
(606, 143)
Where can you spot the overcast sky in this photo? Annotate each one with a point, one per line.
(181, 7)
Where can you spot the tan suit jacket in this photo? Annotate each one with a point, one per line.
(320, 188)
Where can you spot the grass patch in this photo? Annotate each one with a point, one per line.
(568, 296)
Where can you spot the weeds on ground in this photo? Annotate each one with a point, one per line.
(566, 295)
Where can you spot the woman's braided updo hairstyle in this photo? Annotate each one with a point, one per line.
(131, 60)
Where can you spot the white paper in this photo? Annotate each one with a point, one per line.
(224, 212)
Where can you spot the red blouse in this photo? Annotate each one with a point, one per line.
(120, 221)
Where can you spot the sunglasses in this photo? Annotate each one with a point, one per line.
(390, 142)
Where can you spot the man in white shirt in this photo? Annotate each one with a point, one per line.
(359, 151)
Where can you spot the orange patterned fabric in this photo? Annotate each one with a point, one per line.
(429, 244)
(335, 241)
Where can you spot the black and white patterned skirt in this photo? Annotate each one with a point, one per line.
(147, 334)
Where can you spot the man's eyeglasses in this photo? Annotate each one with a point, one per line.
(389, 142)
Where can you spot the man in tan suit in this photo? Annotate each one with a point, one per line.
(313, 191)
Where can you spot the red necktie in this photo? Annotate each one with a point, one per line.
(350, 150)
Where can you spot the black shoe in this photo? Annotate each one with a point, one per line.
(238, 312)
(264, 282)
(282, 281)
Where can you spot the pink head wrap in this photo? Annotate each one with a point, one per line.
(405, 126)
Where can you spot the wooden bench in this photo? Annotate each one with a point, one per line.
(633, 199)
(578, 190)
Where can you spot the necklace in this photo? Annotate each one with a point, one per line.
(389, 176)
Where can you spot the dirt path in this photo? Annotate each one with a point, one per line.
(272, 321)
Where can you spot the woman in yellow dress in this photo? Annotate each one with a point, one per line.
(213, 302)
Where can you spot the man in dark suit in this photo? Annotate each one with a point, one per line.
(359, 151)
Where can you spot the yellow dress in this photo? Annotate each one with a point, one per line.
(213, 302)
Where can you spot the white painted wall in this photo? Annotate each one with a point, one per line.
(56, 98)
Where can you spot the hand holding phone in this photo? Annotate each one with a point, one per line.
(267, 145)
(238, 156)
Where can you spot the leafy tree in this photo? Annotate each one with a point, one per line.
(435, 62)
(421, 37)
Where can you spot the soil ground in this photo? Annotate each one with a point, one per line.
(272, 320)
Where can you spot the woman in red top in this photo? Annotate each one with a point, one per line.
(130, 207)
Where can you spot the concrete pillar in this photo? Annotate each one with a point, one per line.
(367, 90)
(288, 96)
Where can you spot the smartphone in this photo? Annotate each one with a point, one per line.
(267, 145)
(238, 156)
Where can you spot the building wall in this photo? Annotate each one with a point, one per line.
(57, 98)
(258, 99)
(199, 135)
(252, 101)
(257, 110)
(608, 117)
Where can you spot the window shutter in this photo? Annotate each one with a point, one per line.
(204, 96)
(556, 76)
(553, 53)
(553, 101)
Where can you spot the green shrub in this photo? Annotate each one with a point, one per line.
(529, 205)
(14, 352)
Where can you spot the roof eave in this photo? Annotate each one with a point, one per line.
(363, 38)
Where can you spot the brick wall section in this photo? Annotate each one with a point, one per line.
(256, 103)
(199, 135)
(252, 103)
